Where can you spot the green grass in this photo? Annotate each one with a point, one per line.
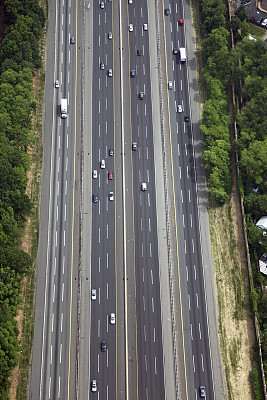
(256, 31)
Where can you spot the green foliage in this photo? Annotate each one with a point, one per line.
(19, 53)
(257, 383)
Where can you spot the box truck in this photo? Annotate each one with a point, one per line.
(63, 108)
(182, 54)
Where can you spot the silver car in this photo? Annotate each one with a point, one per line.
(94, 174)
(103, 164)
(112, 318)
(93, 294)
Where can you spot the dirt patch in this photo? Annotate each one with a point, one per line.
(236, 327)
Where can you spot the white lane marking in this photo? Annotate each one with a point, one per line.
(54, 290)
(107, 231)
(144, 69)
(99, 235)
(152, 301)
(106, 127)
(193, 246)
(106, 81)
(99, 264)
(194, 367)
(147, 153)
(178, 149)
(144, 304)
(177, 26)
(150, 249)
(148, 199)
(66, 187)
(98, 328)
(69, 63)
(145, 363)
(144, 88)
(65, 211)
(139, 173)
(105, 17)
(62, 296)
(107, 358)
(53, 322)
(57, 213)
(183, 222)
(185, 246)
(186, 268)
(98, 363)
(141, 223)
(107, 393)
(99, 181)
(184, 127)
(56, 239)
(195, 272)
(137, 108)
(107, 290)
(99, 106)
(49, 387)
(99, 296)
(183, 105)
(154, 334)
(181, 85)
(99, 40)
(197, 300)
(182, 196)
(189, 196)
(58, 387)
(106, 103)
(176, 8)
(191, 221)
(62, 19)
(145, 332)
(67, 141)
(202, 362)
(189, 305)
(107, 323)
(55, 269)
(60, 353)
(142, 250)
(149, 225)
(173, 65)
(99, 84)
(107, 260)
(147, 173)
(63, 269)
(171, 26)
(64, 237)
(151, 273)
(99, 130)
(180, 172)
(146, 131)
(146, 394)
(141, 12)
(145, 109)
(174, 85)
(199, 330)
(185, 148)
(143, 275)
(191, 331)
(156, 366)
(67, 163)
(99, 211)
(61, 322)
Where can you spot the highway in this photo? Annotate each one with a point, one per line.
(56, 290)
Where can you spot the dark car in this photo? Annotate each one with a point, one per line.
(202, 392)
(102, 65)
(139, 52)
(166, 11)
(132, 73)
(95, 198)
(186, 118)
(111, 152)
(134, 146)
(141, 95)
(72, 40)
(103, 345)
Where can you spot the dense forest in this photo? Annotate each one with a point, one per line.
(19, 56)
(245, 68)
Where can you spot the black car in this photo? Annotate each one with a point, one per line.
(103, 345)
(139, 52)
(102, 65)
(95, 198)
(166, 11)
(141, 95)
(186, 118)
(134, 146)
(72, 40)
(132, 73)
(111, 152)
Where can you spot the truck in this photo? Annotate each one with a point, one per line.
(182, 54)
(63, 108)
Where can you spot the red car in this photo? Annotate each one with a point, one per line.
(110, 176)
(181, 21)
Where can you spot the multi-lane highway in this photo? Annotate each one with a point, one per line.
(134, 303)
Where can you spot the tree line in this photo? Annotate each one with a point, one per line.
(19, 56)
(245, 68)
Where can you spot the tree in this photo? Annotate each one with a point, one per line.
(254, 160)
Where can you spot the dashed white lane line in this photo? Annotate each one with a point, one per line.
(152, 303)
(185, 149)
(57, 213)
(143, 275)
(145, 363)
(62, 296)
(191, 331)
(107, 231)
(156, 366)
(59, 380)
(54, 289)
(141, 12)
(67, 141)
(189, 303)
(66, 187)
(61, 323)
(53, 322)
(56, 239)
(55, 268)
(141, 224)
(107, 290)
(147, 153)
(64, 238)
(106, 103)
(186, 267)
(144, 69)
(149, 225)
(185, 247)
(182, 200)
(199, 330)
(99, 106)
(147, 174)
(107, 259)
(99, 296)
(144, 303)
(154, 335)
(137, 109)
(202, 362)
(98, 328)
(99, 240)
(195, 272)
(145, 332)
(148, 199)
(187, 172)
(99, 84)
(150, 249)
(142, 250)
(183, 222)
(49, 391)
(189, 196)
(151, 273)
(63, 267)
(193, 246)
(176, 8)
(180, 172)
(171, 26)
(173, 65)
(60, 354)
(191, 221)
(197, 300)
(99, 264)
(145, 109)
(146, 131)
(181, 85)
(193, 361)
(98, 363)
(178, 149)
(99, 19)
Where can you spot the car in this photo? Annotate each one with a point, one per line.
(141, 95)
(102, 65)
(181, 21)
(56, 84)
(130, 1)
(103, 345)
(93, 294)
(111, 152)
(170, 85)
(175, 51)
(186, 118)
(132, 73)
(139, 52)
(110, 73)
(134, 146)
(145, 26)
(103, 164)
(111, 196)
(94, 174)
(110, 176)
(112, 318)
(102, 4)
(131, 28)
(143, 187)
(94, 385)
(167, 11)
(110, 35)
(202, 392)
(72, 40)
(95, 198)
(179, 108)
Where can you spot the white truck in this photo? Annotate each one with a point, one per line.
(63, 108)
(182, 54)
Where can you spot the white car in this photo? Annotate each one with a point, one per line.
(110, 35)
(130, 1)
(93, 294)
(103, 164)
(143, 187)
(179, 108)
(111, 196)
(112, 318)
(94, 174)
(57, 84)
(110, 72)
(94, 385)
(145, 26)
(131, 28)
(170, 85)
